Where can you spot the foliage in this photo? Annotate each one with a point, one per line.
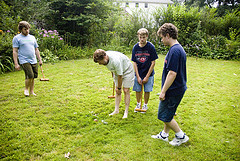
(60, 119)
(49, 40)
(197, 34)
(6, 61)
(48, 56)
(7, 20)
(78, 18)
(71, 52)
(33, 11)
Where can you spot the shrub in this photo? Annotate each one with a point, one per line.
(6, 60)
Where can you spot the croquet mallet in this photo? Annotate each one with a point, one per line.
(43, 79)
(113, 88)
(113, 91)
(140, 109)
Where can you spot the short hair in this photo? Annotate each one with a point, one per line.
(23, 24)
(98, 55)
(142, 31)
(168, 28)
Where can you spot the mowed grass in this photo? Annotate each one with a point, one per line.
(60, 119)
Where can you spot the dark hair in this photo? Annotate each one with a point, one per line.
(98, 55)
(23, 24)
(170, 29)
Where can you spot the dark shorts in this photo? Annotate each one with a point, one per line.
(168, 107)
(31, 70)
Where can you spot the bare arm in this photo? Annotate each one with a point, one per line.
(169, 81)
(38, 56)
(15, 58)
(145, 80)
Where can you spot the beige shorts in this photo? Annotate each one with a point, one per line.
(128, 78)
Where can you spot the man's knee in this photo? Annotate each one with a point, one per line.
(126, 90)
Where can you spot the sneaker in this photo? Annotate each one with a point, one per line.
(137, 107)
(144, 108)
(178, 141)
(159, 136)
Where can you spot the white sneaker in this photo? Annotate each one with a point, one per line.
(137, 107)
(178, 141)
(144, 108)
(159, 136)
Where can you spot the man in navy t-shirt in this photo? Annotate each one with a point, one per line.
(173, 85)
(143, 57)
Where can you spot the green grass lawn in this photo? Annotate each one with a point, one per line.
(60, 118)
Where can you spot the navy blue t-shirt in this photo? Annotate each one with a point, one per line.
(143, 56)
(175, 60)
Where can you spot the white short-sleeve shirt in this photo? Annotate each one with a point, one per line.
(118, 63)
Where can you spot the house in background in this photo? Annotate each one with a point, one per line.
(147, 6)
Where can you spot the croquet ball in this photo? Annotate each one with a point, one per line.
(95, 120)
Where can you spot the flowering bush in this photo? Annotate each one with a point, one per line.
(49, 44)
(50, 40)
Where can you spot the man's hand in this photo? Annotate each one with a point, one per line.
(162, 96)
(139, 80)
(40, 62)
(145, 80)
(17, 67)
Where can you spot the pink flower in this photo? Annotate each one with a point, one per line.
(52, 36)
(8, 30)
(44, 35)
(61, 38)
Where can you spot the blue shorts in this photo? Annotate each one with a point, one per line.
(148, 87)
(168, 107)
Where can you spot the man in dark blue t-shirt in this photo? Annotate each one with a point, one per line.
(173, 85)
(143, 57)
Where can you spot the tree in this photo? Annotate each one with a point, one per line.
(76, 18)
(210, 3)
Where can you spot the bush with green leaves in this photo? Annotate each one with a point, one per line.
(201, 33)
(6, 61)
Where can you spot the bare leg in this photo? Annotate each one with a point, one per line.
(127, 101)
(138, 96)
(171, 125)
(146, 97)
(117, 103)
(31, 84)
(27, 85)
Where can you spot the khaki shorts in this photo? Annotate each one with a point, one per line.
(128, 78)
(31, 70)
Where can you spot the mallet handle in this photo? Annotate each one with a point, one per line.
(42, 71)
(141, 97)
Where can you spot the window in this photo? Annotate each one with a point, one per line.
(146, 5)
(127, 4)
(137, 5)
